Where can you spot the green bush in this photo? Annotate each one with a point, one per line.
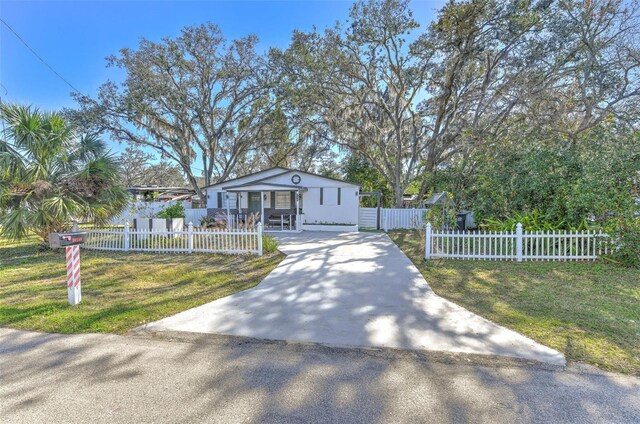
(269, 244)
(533, 221)
(173, 211)
(624, 242)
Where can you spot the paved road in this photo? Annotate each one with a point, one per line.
(353, 289)
(217, 379)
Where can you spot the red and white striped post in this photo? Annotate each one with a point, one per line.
(73, 274)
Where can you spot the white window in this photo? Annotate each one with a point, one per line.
(329, 196)
(233, 200)
(283, 200)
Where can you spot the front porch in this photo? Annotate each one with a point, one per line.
(276, 207)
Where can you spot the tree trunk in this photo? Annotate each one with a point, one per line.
(398, 191)
(201, 194)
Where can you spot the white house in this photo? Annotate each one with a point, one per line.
(287, 200)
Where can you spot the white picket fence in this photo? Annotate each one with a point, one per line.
(402, 219)
(189, 241)
(519, 246)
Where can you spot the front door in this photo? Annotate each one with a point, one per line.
(254, 202)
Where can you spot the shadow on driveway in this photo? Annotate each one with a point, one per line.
(353, 289)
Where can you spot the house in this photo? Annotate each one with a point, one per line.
(287, 200)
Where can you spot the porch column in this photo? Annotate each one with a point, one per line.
(239, 204)
(298, 225)
(226, 196)
(262, 208)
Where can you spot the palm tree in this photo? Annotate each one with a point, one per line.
(51, 175)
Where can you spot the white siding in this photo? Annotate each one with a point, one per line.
(345, 213)
(330, 196)
(212, 198)
(244, 200)
(267, 201)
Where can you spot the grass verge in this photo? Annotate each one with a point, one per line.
(589, 311)
(120, 290)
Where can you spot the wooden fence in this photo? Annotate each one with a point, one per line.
(189, 241)
(519, 245)
(194, 216)
(398, 219)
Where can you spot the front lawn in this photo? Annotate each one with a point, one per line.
(589, 311)
(120, 290)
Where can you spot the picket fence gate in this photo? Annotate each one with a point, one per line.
(519, 246)
(234, 241)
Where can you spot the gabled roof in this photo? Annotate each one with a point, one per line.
(258, 186)
(320, 176)
(259, 179)
(245, 176)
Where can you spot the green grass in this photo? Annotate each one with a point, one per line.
(589, 311)
(120, 290)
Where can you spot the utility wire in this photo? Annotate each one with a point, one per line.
(39, 57)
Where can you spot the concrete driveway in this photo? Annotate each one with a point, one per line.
(353, 289)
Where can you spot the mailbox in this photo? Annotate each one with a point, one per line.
(67, 239)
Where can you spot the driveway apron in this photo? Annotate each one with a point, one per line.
(353, 289)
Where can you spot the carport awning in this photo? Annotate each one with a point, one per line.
(264, 187)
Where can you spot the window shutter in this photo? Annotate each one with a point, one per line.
(292, 196)
(339, 195)
(273, 199)
(321, 195)
(220, 199)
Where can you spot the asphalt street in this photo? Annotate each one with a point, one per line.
(186, 378)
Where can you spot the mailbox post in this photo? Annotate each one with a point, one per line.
(71, 242)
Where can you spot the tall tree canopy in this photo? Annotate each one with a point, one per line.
(357, 87)
(409, 102)
(196, 99)
(50, 175)
(138, 167)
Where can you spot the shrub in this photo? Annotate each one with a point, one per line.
(269, 244)
(532, 221)
(624, 242)
(207, 221)
(173, 211)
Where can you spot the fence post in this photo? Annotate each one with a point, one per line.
(126, 236)
(519, 242)
(190, 237)
(427, 242)
(385, 221)
(259, 238)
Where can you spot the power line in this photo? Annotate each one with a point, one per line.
(39, 57)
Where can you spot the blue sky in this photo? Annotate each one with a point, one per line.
(74, 37)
